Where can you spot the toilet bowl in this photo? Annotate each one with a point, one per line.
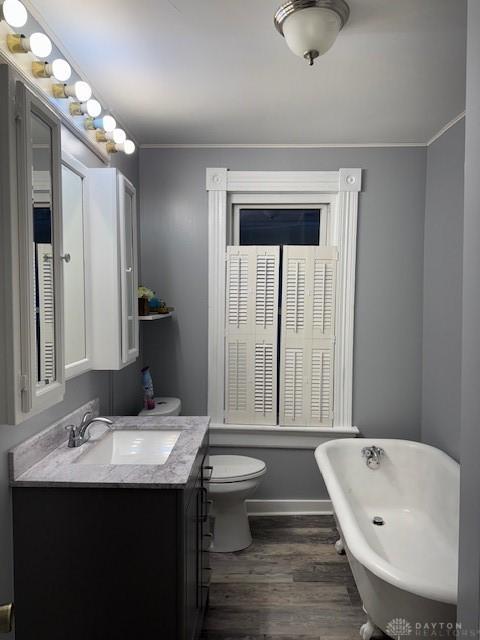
(164, 407)
(233, 480)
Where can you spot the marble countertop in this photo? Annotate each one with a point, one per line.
(44, 460)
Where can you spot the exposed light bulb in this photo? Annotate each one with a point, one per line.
(119, 136)
(94, 108)
(39, 44)
(105, 124)
(90, 108)
(79, 90)
(14, 13)
(82, 91)
(108, 123)
(60, 70)
(129, 147)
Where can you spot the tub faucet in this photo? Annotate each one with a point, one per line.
(79, 435)
(372, 456)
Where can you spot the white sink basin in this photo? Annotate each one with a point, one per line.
(130, 446)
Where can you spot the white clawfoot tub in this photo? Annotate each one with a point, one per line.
(405, 569)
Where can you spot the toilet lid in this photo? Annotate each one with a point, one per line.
(235, 468)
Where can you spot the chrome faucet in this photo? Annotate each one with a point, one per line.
(79, 435)
(372, 456)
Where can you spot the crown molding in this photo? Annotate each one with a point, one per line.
(444, 129)
(353, 145)
(342, 145)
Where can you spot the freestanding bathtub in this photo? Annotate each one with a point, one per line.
(405, 569)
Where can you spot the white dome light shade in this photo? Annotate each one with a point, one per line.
(312, 29)
(119, 136)
(82, 90)
(94, 108)
(14, 13)
(40, 45)
(61, 70)
(129, 147)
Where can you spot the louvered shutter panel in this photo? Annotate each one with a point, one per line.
(46, 302)
(251, 332)
(308, 336)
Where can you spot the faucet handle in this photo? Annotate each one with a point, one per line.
(72, 434)
(86, 417)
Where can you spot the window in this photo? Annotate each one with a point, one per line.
(320, 210)
(279, 226)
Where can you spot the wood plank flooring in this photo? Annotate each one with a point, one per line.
(289, 585)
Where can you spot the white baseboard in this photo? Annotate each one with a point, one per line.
(289, 507)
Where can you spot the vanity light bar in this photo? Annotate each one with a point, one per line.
(15, 15)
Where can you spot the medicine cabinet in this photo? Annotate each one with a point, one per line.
(114, 265)
(42, 374)
(68, 260)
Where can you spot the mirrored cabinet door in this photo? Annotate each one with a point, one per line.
(40, 247)
(76, 271)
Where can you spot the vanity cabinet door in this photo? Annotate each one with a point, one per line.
(197, 566)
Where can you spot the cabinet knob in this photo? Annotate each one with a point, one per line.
(66, 258)
(129, 269)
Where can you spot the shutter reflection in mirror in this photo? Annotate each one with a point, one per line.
(46, 311)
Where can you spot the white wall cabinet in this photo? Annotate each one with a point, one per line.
(114, 282)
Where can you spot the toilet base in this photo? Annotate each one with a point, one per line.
(231, 529)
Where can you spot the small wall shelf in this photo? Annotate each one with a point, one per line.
(156, 316)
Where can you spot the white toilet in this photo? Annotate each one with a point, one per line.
(164, 407)
(233, 480)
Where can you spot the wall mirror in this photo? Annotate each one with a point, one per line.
(40, 246)
(76, 274)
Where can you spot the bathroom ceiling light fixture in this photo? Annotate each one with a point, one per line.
(14, 13)
(105, 123)
(310, 27)
(79, 90)
(58, 69)
(91, 108)
(38, 43)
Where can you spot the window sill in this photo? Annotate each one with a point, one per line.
(246, 436)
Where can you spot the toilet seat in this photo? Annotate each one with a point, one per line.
(227, 469)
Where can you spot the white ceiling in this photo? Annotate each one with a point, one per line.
(217, 72)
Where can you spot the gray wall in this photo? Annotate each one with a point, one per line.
(442, 329)
(388, 317)
(119, 392)
(469, 561)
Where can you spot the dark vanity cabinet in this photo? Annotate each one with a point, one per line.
(112, 563)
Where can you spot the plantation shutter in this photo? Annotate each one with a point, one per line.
(251, 335)
(308, 336)
(46, 306)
